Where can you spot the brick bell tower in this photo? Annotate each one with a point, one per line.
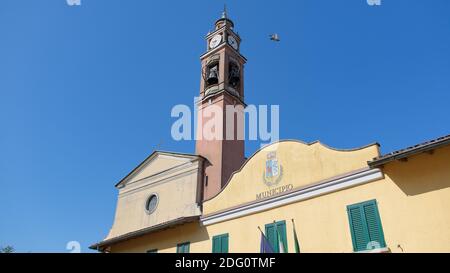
(222, 85)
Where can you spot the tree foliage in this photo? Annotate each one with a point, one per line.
(7, 249)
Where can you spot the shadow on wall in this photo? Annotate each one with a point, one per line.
(422, 173)
(165, 239)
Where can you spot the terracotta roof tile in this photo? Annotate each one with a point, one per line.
(403, 153)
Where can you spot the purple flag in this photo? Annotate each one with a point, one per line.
(265, 245)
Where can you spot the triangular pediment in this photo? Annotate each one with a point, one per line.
(157, 163)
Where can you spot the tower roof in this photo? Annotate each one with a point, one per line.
(224, 19)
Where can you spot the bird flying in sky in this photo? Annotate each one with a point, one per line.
(274, 37)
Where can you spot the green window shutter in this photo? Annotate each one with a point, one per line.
(224, 243)
(183, 248)
(220, 244)
(359, 234)
(365, 225)
(281, 226)
(272, 236)
(373, 221)
(216, 244)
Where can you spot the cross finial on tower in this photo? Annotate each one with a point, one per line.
(224, 13)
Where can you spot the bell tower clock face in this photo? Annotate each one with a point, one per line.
(232, 41)
(215, 41)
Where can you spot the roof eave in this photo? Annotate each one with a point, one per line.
(152, 155)
(402, 155)
(100, 246)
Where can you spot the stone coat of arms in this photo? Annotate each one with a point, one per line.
(273, 170)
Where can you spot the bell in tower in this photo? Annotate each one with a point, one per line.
(234, 75)
(213, 75)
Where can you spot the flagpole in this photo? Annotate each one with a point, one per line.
(266, 240)
(297, 245)
(262, 233)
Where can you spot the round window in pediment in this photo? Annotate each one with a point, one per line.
(151, 204)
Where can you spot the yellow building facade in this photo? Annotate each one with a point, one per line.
(289, 196)
(412, 196)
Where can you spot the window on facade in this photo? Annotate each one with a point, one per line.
(152, 251)
(151, 204)
(183, 248)
(220, 243)
(276, 232)
(365, 226)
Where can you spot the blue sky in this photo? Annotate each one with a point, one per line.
(86, 92)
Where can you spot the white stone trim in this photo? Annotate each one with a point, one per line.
(148, 182)
(363, 177)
